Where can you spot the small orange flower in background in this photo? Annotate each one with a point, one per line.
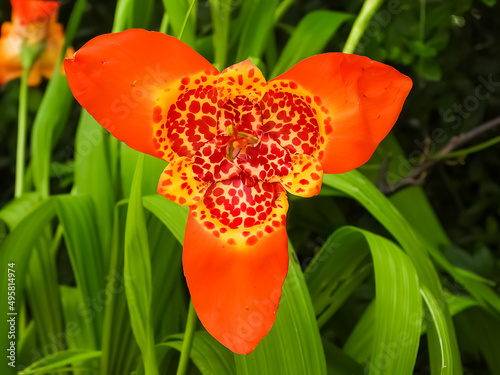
(236, 144)
(33, 23)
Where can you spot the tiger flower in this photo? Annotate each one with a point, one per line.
(236, 145)
(34, 23)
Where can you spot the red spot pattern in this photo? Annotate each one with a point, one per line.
(243, 79)
(210, 163)
(265, 160)
(234, 145)
(240, 113)
(306, 176)
(183, 127)
(291, 120)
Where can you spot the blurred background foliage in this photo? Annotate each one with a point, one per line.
(450, 49)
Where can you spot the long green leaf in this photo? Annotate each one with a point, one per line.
(93, 175)
(357, 186)
(439, 321)
(119, 347)
(78, 217)
(258, 24)
(398, 303)
(137, 267)
(59, 361)
(17, 249)
(309, 38)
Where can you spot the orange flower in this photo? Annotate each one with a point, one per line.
(33, 22)
(236, 144)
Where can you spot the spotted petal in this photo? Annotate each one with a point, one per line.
(305, 178)
(235, 260)
(148, 89)
(345, 105)
(242, 79)
(178, 183)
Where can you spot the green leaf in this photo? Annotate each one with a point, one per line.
(257, 25)
(360, 342)
(439, 320)
(137, 268)
(210, 357)
(357, 186)
(59, 361)
(140, 14)
(17, 209)
(309, 38)
(93, 175)
(294, 342)
(119, 348)
(482, 330)
(153, 167)
(173, 215)
(338, 362)
(398, 304)
(177, 11)
(17, 249)
(221, 12)
(78, 217)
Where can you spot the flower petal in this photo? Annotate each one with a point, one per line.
(241, 114)
(210, 163)
(265, 161)
(242, 79)
(305, 178)
(178, 183)
(355, 101)
(290, 118)
(129, 80)
(235, 273)
(30, 11)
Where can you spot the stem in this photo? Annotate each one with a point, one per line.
(188, 340)
(186, 19)
(360, 24)
(470, 150)
(21, 132)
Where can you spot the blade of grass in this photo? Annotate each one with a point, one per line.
(178, 12)
(137, 265)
